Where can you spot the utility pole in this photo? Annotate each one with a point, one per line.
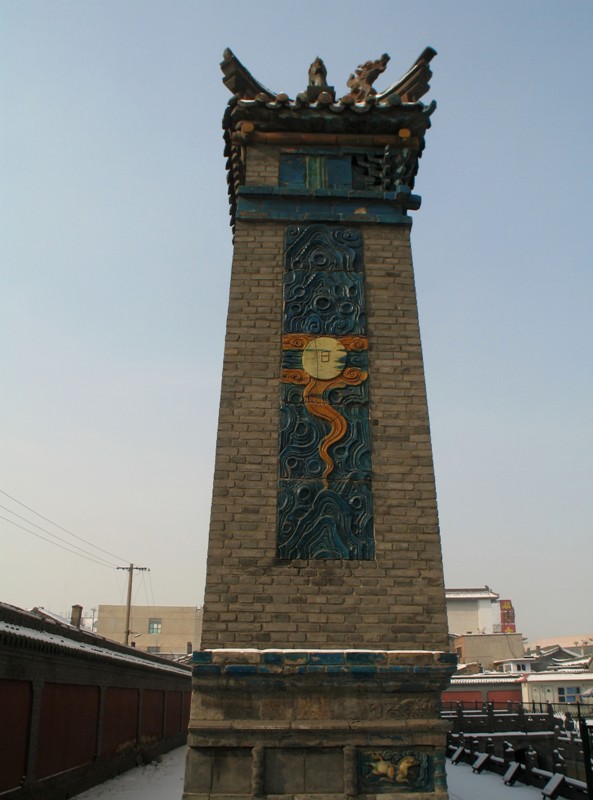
(130, 571)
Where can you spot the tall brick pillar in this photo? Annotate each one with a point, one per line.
(324, 633)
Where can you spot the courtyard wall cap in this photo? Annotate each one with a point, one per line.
(13, 635)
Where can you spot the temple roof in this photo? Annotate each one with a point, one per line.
(408, 89)
(392, 122)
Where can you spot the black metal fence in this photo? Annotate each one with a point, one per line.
(547, 740)
(576, 710)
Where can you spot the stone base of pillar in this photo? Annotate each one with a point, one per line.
(317, 725)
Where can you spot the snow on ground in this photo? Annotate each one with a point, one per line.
(161, 780)
(164, 781)
(467, 785)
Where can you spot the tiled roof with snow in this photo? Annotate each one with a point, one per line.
(86, 646)
(471, 594)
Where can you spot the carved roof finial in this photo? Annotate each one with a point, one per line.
(361, 81)
(317, 73)
(318, 83)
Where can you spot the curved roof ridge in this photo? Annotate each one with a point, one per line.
(415, 83)
(239, 81)
(409, 88)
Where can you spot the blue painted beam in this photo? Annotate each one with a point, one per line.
(284, 204)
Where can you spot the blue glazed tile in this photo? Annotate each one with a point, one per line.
(335, 669)
(448, 658)
(326, 658)
(272, 658)
(202, 657)
(334, 522)
(366, 669)
(206, 669)
(298, 657)
(366, 658)
(241, 669)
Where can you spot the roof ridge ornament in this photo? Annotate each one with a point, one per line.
(318, 83)
(361, 80)
(409, 88)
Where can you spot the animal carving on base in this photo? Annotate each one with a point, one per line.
(397, 773)
(403, 768)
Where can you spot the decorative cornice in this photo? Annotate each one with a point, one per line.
(392, 122)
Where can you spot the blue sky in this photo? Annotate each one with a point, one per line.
(115, 266)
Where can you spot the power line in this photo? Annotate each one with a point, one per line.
(67, 549)
(151, 589)
(59, 538)
(80, 538)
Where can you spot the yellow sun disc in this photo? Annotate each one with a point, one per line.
(324, 358)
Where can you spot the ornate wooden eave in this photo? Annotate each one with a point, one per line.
(394, 118)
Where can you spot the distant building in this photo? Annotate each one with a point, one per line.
(490, 687)
(487, 648)
(482, 627)
(472, 611)
(171, 631)
(515, 666)
(562, 686)
(576, 644)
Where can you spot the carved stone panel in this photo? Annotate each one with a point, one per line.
(324, 496)
(391, 771)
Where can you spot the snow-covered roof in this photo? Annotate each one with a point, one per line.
(485, 677)
(11, 632)
(577, 662)
(558, 677)
(574, 640)
(482, 593)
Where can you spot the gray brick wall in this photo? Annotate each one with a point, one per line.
(254, 600)
(262, 165)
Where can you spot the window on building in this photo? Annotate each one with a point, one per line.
(153, 649)
(568, 694)
(154, 625)
(317, 171)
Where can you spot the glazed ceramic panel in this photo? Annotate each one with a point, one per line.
(392, 771)
(325, 498)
